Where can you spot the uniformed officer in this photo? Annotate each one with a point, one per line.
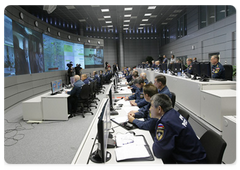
(189, 68)
(138, 96)
(144, 77)
(175, 141)
(160, 83)
(218, 71)
(149, 123)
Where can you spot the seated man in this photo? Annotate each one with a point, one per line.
(96, 77)
(138, 96)
(144, 77)
(85, 79)
(218, 71)
(189, 68)
(160, 83)
(175, 141)
(74, 94)
(149, 124)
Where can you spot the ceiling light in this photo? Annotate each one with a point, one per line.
(106, 16)
(128, 15)
(177, 11)
(164, 23)
(110, 26)
(108, 22)
(105, 10)
(149, 14)
(126, 21)
(94, 6)
(142, 24)
(144, 19)
(128, 9)
(140, 28)
(126, 25)
(70, 7)
(82, 20)
(125, 28)
(101, 19)
(151, 7)
(172, 15)
(133, 17)
(153, 16)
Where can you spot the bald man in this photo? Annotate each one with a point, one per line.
(74, 95)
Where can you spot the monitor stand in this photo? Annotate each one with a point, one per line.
(95, 157)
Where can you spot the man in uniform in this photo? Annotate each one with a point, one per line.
(189, 68)
(218, 71)
(138, 96)
(160, 83)
(149, 123)
(175, 141)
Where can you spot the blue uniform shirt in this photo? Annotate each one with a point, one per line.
(76, 88)
(138, 96)
(86, 81)
(175, 138)
(146, 81)
(189, 69)
(96, 77)
(218, 71)
(143, 112)
(166, 91)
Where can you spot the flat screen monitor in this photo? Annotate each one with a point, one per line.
(104, 124)
(205, 70)
(177, 67)
(56, 86)
(196, 70)
(164, 67)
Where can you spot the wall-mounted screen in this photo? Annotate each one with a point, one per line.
(57, 53)
(93, 56)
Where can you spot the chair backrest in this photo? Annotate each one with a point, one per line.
(173, 99)
(85, 92)
(184, 114)
(214, 146)
(91, 87)
(228, 71)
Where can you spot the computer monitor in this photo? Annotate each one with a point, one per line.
(56, 86)
(196, 70)
(206, 73)
(164, 67)
(101, 155)
(177, 67)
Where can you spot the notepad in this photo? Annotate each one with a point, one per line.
(131, 151)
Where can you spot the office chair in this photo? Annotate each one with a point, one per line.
(95, 90)
(184, 113)
(173, 99)
(228, 71)
(92, 95)
(84, 97)
(214, 146)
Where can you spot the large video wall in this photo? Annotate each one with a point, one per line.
(27, 51)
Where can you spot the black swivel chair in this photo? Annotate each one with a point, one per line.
(228, 71)
(84, 97)
(184, 114)
(173, 99)
(214, 146)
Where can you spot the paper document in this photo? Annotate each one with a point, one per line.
(129, 138)
(120, 119)
(131, 151)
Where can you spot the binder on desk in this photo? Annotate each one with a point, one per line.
(135, 151)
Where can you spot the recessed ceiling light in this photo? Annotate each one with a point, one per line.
(133, 17)
(126, 21)
(125, 28)
(151, 7)
(126, 25)
(110, 26)
(140, 28)
(70, 7)
(144, 19)
(82, 20)
(128, 9)
(94, 6)
(108, 22)
(128, 15)
(105, 10)
(153, 16)
(142, 24)
(106, 16)
(173, 15)
(101, 19)
(164, 23)
(149, 14)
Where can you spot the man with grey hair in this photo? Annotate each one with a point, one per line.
(74, 95)
(174, 141)
(144, 77)
(218, 71)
